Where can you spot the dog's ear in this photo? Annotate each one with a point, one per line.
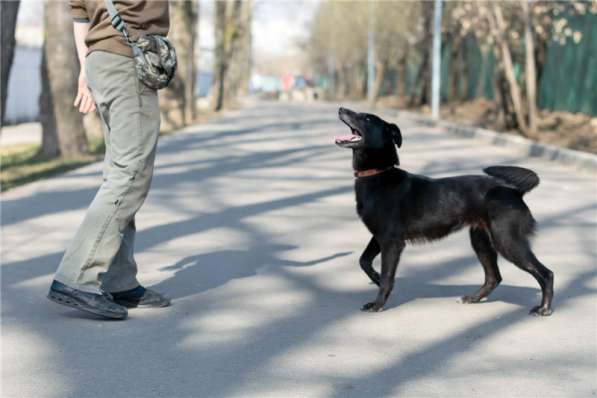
(396, 135)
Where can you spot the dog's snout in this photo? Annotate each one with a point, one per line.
(345, 112)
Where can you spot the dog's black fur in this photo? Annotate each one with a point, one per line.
(398, 207)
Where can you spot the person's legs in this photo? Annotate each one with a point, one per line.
(122, 273)
(131, 114)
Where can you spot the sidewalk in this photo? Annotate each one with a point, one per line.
(19, 134)
(251, 228)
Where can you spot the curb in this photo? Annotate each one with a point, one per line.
(580, 160)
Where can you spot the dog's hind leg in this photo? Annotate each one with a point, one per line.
(510, 240)
(523, 257)
(366, 260)
(546, 275)
(488, 258)
(390, 256)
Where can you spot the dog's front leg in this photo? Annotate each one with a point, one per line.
(366, 260)
(390, 256)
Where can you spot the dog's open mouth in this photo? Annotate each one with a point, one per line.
(354, 139)
(349, 138)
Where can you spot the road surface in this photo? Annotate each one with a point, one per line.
(251, 228)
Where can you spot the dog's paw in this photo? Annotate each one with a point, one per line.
(372, 307)
(541, 311)
(468, 300)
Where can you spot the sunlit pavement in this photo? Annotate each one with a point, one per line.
(251, 228)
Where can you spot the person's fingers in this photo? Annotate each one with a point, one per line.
(88, 94)
(78, 98)
(90, 105)
(83, 104)
(86, 104)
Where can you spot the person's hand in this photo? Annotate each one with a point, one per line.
(84, 99)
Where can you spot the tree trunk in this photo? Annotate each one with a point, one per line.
(242, 56)
(177, 102)
(420, 92)
(380, 72)
(234, 47)
(191, 71)
(228, 29)
(8, 17)
(463, 72)
(480, 89)
(504, 107)
(499, 28)
(530, 76)
(401, 80)
(497, 96)
(220, 62)
(49, 138)
(455, 73)
(61, 69)
(541, 44)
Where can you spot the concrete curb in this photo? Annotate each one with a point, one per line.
(580, 160)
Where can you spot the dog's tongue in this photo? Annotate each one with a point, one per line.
(350, 137)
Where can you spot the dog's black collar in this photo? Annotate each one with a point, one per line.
(371, 172)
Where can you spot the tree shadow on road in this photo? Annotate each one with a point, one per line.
(56, 201)
(206, 271)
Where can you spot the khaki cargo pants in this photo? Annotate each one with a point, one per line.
(100, 257)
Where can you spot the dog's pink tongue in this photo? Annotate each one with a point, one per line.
(346, 137)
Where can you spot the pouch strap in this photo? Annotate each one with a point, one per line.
(115, 19)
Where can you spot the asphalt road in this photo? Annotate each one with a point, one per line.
(251, 228)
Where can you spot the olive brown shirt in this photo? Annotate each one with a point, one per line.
(140, 17)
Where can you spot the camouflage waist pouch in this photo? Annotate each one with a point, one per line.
(154, 55)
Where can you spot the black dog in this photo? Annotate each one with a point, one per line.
(398, 207)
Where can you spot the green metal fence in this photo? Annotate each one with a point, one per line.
(569, 78)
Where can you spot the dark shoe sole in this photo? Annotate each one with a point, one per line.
(69, 302)
(131, 304)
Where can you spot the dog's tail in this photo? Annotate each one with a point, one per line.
(522, 179)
